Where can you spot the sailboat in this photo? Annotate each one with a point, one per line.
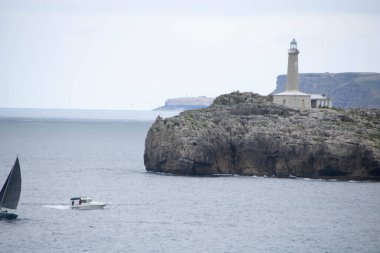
(10, 193)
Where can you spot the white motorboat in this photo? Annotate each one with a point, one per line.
(85, 203)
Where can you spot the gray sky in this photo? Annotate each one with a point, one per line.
(115, 54)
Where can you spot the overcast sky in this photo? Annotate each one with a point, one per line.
(120, 54)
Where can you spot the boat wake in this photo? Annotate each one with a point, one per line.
(59, 207)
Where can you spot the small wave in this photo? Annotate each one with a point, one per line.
(159, 173)
(222, 175)
(59, 207)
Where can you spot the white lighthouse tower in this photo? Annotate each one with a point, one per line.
(292, 97)
(293, 78)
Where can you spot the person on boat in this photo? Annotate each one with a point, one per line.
(72, 202)
(80, 202)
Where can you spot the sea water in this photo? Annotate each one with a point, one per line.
(102, 157)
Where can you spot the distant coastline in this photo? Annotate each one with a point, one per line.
(79, 114)
(185, 103)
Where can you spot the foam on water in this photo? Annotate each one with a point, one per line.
(59, 207)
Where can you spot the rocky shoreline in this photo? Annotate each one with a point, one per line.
(247, 134)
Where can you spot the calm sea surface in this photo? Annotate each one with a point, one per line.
(102, 157)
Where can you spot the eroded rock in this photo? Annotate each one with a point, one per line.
(247, 134)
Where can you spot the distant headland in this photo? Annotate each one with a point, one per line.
(346, 90)
(185, 103)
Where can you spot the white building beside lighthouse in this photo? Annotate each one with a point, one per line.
(292, 97)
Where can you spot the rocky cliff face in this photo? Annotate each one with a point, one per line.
(247, 134)
(347, 90)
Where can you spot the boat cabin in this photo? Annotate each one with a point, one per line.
(80, 200)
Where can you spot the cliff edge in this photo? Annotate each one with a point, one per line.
(247, 134)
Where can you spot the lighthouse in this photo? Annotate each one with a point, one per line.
(292, 97)
(293, 78)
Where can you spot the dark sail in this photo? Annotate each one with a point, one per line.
(10, 193)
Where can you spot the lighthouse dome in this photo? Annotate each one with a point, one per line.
(293, 44)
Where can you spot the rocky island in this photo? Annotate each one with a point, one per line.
(247, 134)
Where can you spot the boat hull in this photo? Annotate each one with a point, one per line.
(88, 207)
(8, 216)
